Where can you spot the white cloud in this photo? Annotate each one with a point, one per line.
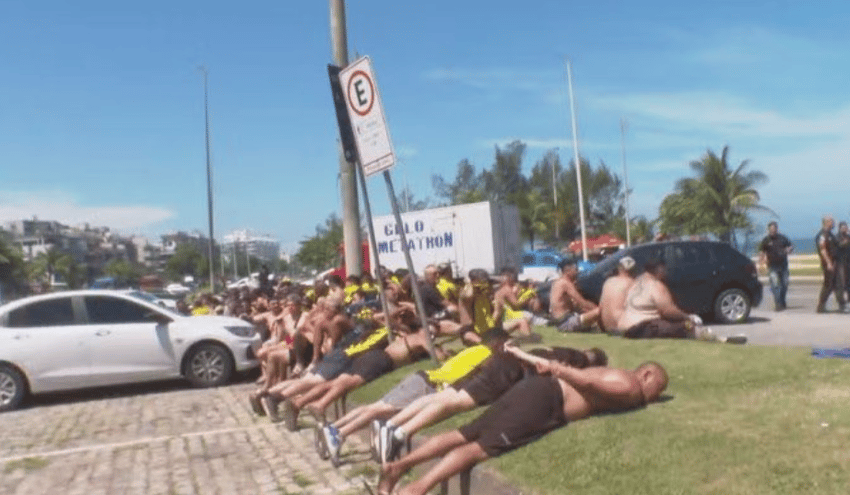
(497, 78)
(723, 114)
(61, 207)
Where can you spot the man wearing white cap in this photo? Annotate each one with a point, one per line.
(612, 302)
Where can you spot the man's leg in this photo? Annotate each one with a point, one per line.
(456, 461)
(433, 447)
(377, 410)
(784, 279)
(444, 406)
(775, 276)
(826, 288)
(337, 389)
(414, 407)
(313, 394)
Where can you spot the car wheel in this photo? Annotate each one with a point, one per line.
(208, 365)
(732, 306)
(13, 388)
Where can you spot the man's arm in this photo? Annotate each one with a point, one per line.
(666, 306)
(578, 299)
(824, 253)
(524, 356)
(613, 384)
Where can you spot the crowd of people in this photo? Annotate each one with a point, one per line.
(324, 340)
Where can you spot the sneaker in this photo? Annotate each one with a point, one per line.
(332, 442)
(290, 415)
(539, 321)
(256, 404)
(735, 339)
(385, 441)
(394, 451)
(270, 404)
(702, 332)
(373, 438)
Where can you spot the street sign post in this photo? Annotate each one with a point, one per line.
(363, 102)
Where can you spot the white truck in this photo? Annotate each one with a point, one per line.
(477, 235)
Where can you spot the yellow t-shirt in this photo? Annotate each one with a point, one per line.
(447, 289)
(458, 366)
(482, 313)
(349, 292)
(368, 343)
(201, 310)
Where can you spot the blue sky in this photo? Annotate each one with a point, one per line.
(102, 117)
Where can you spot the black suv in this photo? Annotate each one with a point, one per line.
(707, 278)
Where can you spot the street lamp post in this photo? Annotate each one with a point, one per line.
(209, 178)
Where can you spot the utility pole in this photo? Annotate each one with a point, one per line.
(623, 125)
(347, 170)
(578, 162)
(553, 160)
(209, 179)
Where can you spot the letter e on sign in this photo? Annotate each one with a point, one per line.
(361, 93)
(363, 102)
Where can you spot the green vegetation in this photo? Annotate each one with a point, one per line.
(737, 420)
(301, 480)
(718, 200)
(27, 464)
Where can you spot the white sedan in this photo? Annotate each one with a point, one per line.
(89, 338)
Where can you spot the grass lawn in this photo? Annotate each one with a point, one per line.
(736, 420)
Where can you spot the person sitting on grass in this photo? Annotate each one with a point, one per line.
(409, 345)
(528, 411)
(508, 309)
(612, 301)
(569, 311)
(650, 311)
(493, 379)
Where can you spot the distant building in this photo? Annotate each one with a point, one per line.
(244, 242)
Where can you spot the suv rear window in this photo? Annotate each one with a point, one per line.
(50, 313)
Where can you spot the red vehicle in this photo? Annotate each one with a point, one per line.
(340, 270)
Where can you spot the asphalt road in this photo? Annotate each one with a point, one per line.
(798, 325)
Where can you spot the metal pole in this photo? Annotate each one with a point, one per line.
(347, 172)
(417, 297)
(209, 178)
(626, 181)
(555, 198)
(376, 262)
(578, 162)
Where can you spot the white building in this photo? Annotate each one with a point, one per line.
(261, 246)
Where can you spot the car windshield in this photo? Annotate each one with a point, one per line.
(144, 296)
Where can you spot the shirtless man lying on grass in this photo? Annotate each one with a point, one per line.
(529, 410)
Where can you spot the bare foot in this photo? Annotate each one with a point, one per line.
(390, 474)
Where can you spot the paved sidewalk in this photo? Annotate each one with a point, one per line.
(176, 442)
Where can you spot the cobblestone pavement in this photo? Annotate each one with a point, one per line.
(172, 442)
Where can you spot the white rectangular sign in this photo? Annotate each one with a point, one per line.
(374, 146)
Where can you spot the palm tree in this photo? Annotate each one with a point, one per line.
(718, 200)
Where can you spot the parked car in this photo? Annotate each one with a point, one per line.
(89, 338)
(707, 278)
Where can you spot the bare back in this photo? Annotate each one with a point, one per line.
(612, 390)
(612, 302)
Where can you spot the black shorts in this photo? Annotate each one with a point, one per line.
(660, 329)
(530, 409)
(495, 377)
(371, 365)
(333, 364)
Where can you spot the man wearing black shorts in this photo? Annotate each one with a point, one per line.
(495, 377)
(529, 410)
